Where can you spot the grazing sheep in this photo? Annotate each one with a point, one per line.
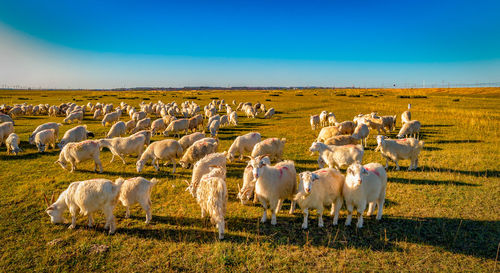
(213, 119)
(202, 167)
(212, 196)
(139, 115)
(137, 190)
(122, 146)
(6, 128)
(337, 156)
(319, 189)
(273, 185)
(48, 125)
(193, 124)
(12, 143)
(361, 132)
(188, 140)
(75, 134)
(272, 147)
(342, 140)
(364, 185)
(177, 126)
(78, 116)
(410, 128)
(224, 120)
(117, 130)
(389, 122)
(45, 138)
(130, 125)
(167, 150)
(142, 124)
(6, 118)
(214, 128)
(76, 152)
(86, 197)
(395, 150)
(97, 114)
(327, 132)
(315, 122)
(110, 118)
(233, 118)
(198, 150)
(242, 144)
(373, 123)
(145, 133)
(250, 112)
(269, 113)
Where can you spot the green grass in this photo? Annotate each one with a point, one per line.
(443, 217)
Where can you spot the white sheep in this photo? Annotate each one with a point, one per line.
(212, 196)
(75, 134)
(137, 190)
(214, 128)
(145, 133)
(323, 118)
(122, 146)
(327, 132)
(410, 128)
(139, 115)
(76, 152)
(342, 140)
(319, 189)
(202, 167)
(48, 125)
(233, 118)
(6, 118)
(346, 128)
(272, 147)
(361, 132)
(45, 138)
(142, 124)
(273, 185)
(406, 116)
(110, 118)
(198, 150)
(86, 197)
(167, 150)
(395, 150)
(364, 185)
(177, 126)
(78, 116)
(337, 156)
(97, 114)
(188, 140)
(213, 119)
(117, 130)
(6, 128)
(389, 122)
(242, 144)
(12, 143)
(315, 122)
(332, 120)
(269, 113)
(247, 190)
(130, 125)
(250, 112)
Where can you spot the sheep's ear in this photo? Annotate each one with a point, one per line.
(315, 176)
(364, 171)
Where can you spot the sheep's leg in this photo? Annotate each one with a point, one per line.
(220, 226)
(123, 159)
(173, 168)
(360, 209)
(127, 213)
(349, 214)
(154, 163)
(371, 208)
(97, 162)
(264, 215)
(306, 215)
(338, 206)
(320, 217)
(110, 219)
(397, 166)
(91, 220)
(255, 200)
(274, 207)
(73, 211)
(146, 206)
(280, 204)
(292, 206)
(380, 205)
(202, 213)
(386, 163)
(415, 165)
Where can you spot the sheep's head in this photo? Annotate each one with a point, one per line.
(230, 157)
(32, 139)
(355, 174)
(314, 147)
(41, 147)
(245, 193)
(307, 179)
(55, 212)
(140, 165)
(380, 139)
(257, 164)
(184, 164)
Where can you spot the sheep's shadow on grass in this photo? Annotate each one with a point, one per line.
(436, 125)
(24, 155)
(429, 148)
(485, 173)
(455, 141)
(428, 182)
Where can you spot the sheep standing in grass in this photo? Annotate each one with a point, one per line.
(319, 189)
(97, 114)
(315, 122)
(117, 130)
(76, 134)
(48, 125)
(147, 134)
(202, 167)
(272, 147)
(86, 197)
(198, 150)
(130, 125)
(364, 185)
(233, 118)
(167, 150)
(12, 143)
(45, 138)
(188, 140)
(361, 132)
(273, 185)
(332, 120)
(110, 118)
(122, 146)
(142, 124)
(6, 118)
(327, 132)
(74, 116)
(137, 190)
(410, 128)
(346, 127)
(395, 150)
(242, 144)
(323, 118)
(6, 128)
(269, 113)
(76, 152)
(247, 190)
(177, 126)
(214, 128)
(342, 140)
(212, 196)
(389, 122)
(158, 125)
(337, 156)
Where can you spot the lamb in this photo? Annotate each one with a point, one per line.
(110, 118)
(188, 140)
(242, 144)
(122, 146)
(177, 126)
(212, 196)
(272, 147)
(117, 130)
(202, 167)
(342, 140)
(214, 128)
(410, 128)
(269, 113)
(361, 132)
(327, 132)
(167, 150)
(6, 128)
(364, 185)
(142, 124)
(319, 189)
(198, 150)
(408, 148)
(45, 138)
(12, 143)
(233, 118)
(75, 134)
(273, 185)
(337, 156)
(78, 116)
(48, 125)
(137, 190)
(76, 152)
(315, 122)
(86, 197)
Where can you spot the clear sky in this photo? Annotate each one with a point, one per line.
(107, 44)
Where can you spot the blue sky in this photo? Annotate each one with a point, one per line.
(105, 44)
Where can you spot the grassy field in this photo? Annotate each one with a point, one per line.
(443, 217)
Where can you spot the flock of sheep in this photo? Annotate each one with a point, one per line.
(336, 144)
